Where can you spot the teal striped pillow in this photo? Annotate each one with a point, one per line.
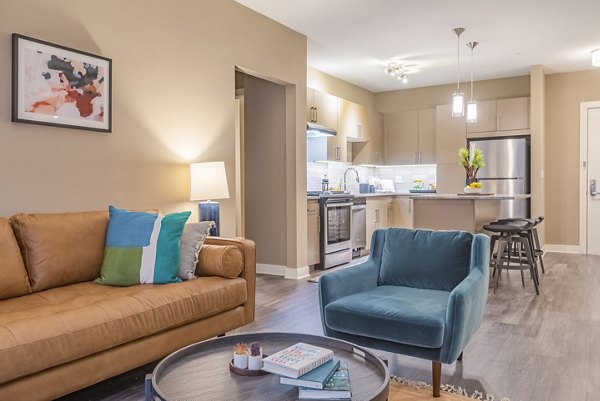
(142, 248)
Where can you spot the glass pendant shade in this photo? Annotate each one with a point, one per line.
(596, 58)
(471, 111)
(458, 103)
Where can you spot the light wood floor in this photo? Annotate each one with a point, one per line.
(529, 348)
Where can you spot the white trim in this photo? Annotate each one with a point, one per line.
(285, 272)
(562, 248)
(583, 152)
(297, 274)
(274, 270)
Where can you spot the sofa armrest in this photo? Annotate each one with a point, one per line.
(352, 280)
(466, 305)
(248, 249)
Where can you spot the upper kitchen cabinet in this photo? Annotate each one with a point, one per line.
(501, 115)
(427, 149)
(353, 121)
(513, 113)
(409, 137)
(322, 108)
(363, 130)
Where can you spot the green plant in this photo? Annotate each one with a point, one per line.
(471, 162)
(240, 348)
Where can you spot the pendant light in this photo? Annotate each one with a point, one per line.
(472, 104)
(458, 97)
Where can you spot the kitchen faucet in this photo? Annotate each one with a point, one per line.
(346, 172)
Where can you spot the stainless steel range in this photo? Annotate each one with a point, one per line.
(336, 229)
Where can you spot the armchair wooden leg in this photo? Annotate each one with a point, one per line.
(436, 373)
(460, 357)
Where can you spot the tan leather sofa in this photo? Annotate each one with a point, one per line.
(60, 331)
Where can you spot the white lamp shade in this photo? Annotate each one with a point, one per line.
(458, 104)
(596, 58)
(208, 181)
(472, 111)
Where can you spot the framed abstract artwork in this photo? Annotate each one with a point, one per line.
(59, 86)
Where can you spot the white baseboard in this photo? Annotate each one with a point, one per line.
(285, 272)
(274, 270)
(562, 248)
(297, 274)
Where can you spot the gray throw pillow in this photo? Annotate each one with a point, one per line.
(194, 235)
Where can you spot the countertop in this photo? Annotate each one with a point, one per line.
(438, 196)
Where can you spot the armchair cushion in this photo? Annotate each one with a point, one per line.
(401, 314)
(436, 260)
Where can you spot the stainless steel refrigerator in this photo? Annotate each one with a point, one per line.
(506, 171)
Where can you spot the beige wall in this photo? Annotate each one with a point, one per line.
(538, 145)
(564, 94)
(173, 103)
(329, 84)
(431, 96)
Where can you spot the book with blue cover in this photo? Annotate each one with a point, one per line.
(336, 388)
(316, 378)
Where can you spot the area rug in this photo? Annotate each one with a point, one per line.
(408, 390)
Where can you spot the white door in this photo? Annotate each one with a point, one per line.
(593, 200)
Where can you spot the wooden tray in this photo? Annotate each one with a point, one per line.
(247, 372)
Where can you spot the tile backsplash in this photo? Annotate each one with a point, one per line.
(402, 176)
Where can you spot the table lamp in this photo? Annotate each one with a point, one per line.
(208, 181)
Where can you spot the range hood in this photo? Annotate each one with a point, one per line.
(317, 130)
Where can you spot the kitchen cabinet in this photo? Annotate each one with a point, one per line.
(322, 108)
(353, 121)
(450, 135)
(379, 215)
(409, 137)
(501, 115)
(402, 212)
(313, 231)
(371, 151)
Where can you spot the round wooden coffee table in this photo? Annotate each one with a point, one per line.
(201, 371)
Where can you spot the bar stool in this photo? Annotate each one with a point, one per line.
(512, 248)
(532, 234)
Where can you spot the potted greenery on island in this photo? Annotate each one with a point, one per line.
(471, 162)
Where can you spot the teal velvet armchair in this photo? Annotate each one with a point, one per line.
(421, 293)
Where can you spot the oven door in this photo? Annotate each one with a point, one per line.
(337, 226)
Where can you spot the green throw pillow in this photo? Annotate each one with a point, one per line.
(142, 248)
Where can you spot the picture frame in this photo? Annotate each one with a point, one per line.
(59, 86)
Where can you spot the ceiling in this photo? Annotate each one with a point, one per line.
(354, 39)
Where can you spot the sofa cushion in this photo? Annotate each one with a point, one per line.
(401, 314)
(192, 239)
(142, 248)
(437, 260)
(13, 276)
(217, 260)
(61, 248)
(49, 328)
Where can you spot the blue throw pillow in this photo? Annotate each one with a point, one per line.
(142, 248)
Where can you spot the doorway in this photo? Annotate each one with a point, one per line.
(589, 205)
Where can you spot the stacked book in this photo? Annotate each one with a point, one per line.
(315, 370)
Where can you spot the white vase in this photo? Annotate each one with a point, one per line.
(240, 361)
(255, 362)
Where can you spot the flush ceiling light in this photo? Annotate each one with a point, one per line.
(458, 106)
(596, 58)
(472, 104)
(397, 70)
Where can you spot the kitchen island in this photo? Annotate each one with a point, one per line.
(468, 212)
